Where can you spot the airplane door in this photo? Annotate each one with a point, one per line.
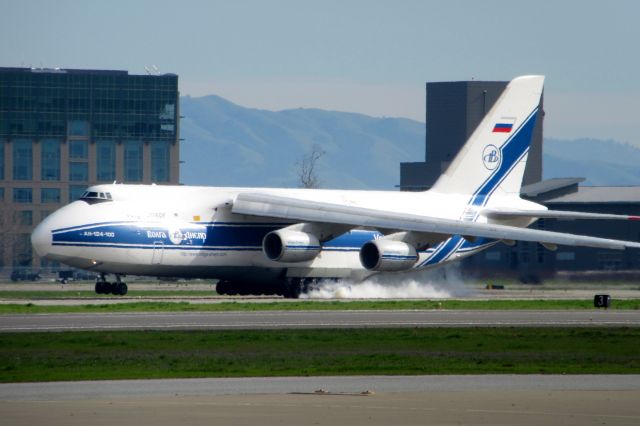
(158, 251)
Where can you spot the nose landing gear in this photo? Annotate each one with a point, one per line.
(117, 288)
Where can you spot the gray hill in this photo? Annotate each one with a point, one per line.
(602, 162)
(230, 145)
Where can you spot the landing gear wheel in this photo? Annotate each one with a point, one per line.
(226, 288)
(244, 290)
(120, 288)
(293, 289)
(117, 287)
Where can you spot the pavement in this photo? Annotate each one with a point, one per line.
(360, 400)
(564, 291)
(254, 320)
(397, 400)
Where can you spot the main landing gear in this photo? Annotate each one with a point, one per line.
(290, 288)
(117, 288)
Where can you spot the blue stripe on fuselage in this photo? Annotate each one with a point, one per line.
(137, 234)
(217, 235)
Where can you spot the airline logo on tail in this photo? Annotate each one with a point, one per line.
(491, 157)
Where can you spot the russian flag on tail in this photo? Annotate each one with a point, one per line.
(502, 128)
(504, 125)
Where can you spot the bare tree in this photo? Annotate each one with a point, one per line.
(306, 168)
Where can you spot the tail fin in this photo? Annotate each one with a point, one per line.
(494, 157)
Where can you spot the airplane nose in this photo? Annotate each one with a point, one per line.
(41, 239)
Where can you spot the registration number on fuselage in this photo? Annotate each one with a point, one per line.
(106, 234)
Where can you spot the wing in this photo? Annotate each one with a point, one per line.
(275, 206)
(553, 214)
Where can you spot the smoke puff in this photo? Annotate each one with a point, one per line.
(436, 284)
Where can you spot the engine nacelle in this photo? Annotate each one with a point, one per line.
(286, 245)
(387, 255)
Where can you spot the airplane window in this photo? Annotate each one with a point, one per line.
(92, 197)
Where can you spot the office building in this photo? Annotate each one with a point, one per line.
(65, 129)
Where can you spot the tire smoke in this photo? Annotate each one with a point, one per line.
(436, 284)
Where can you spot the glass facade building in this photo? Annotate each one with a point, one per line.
(63, 130)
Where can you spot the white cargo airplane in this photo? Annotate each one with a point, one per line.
(275, 241)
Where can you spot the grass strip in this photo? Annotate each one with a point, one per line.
(551, 304)
(86, 294)
(161, 354)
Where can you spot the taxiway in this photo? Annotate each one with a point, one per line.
(317, 319)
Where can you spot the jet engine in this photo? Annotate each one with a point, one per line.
(387, 255)
(285, 245)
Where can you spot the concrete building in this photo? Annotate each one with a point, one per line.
(62, 130)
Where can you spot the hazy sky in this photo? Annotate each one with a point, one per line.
(364, 56)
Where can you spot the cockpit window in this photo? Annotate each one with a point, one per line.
(93, 197)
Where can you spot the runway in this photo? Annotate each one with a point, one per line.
(317, 319)
(334, 385)
(472, 400)
(185, 293)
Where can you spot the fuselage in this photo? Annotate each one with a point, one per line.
(187, 231)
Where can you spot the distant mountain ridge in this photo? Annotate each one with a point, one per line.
(602, 162)
(230, 145)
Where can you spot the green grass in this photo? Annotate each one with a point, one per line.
(90, 294)
(163, 354)
(316, 305)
